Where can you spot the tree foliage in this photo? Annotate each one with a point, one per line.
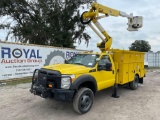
(140, 45)
(45, 22)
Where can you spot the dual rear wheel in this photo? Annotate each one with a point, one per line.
(133, 85)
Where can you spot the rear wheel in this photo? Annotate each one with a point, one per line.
(83, 100)
(134, 84)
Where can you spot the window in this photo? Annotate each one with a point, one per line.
(105, 59)
(88, 60)
(105, 63)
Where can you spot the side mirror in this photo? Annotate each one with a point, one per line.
(106, 66)
(109, 66)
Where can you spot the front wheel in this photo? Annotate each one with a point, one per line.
(83, 100)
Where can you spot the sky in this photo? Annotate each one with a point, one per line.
(116, 27)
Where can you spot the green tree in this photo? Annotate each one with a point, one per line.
(44, 22)
(140, 45)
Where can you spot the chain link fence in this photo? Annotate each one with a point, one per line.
(153, 59)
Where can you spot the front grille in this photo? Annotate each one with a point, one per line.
(42, 79)
(49, 76)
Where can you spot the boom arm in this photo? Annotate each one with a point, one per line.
(93, 15)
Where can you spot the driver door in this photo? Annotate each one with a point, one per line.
(105, 77)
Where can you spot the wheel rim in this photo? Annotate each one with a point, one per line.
(85, 102)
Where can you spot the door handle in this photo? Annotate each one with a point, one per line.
(112, 71)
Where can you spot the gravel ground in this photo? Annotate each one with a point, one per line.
(17, 103)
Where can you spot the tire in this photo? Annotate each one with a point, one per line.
(83, 100)
(134, 84)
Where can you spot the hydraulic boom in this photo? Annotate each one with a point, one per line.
(92, 16)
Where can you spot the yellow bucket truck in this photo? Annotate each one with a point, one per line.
(81, 77)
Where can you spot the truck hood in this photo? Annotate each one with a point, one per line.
(69, 68)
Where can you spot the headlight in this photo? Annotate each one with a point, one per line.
(66, 81)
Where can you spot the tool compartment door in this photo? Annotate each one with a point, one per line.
(131, 72)
(123, 73)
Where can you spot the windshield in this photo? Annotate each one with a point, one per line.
(88, 60)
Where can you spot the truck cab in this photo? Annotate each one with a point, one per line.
(95, 71)
(99, 66)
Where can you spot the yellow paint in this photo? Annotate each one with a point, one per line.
(105, 10)
(92, 14)
(129, 63)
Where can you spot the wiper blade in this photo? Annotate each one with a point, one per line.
(79, 64)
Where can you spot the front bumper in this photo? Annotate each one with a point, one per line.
(57, 94)
(64, 95)
(40, 85)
